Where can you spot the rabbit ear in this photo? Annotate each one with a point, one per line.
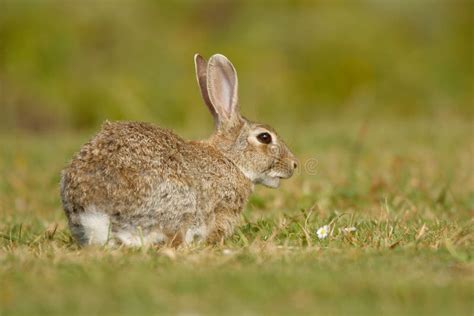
(222, 88)
(200, 65)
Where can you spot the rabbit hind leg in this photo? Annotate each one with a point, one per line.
(90, 226)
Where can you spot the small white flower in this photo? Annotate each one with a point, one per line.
(323, 232)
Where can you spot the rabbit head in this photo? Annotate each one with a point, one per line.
(255, 148)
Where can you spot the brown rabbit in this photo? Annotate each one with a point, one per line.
(139, 184)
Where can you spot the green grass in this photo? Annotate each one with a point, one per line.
(406, 185)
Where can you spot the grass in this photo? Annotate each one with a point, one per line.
(406, 185)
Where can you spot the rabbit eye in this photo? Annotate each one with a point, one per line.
(264, 138)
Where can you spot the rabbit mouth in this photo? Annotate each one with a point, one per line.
(269, 179)
(279, 174)
(272, 178)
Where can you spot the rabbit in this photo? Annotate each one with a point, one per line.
(137, 184)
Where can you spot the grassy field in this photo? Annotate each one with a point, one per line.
(407, 186)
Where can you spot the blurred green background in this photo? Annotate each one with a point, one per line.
(69, 65)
